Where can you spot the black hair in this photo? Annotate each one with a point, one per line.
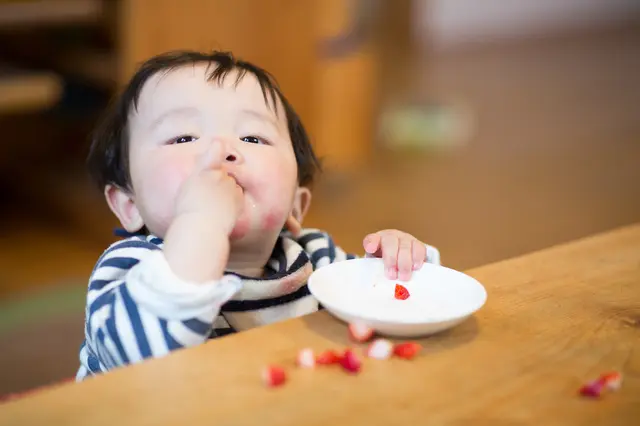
(108, 159)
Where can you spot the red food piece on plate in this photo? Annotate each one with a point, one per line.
(406, 350)
(273, 376)
(401, 292)
(306, 358)
(328, 357)
(360, 332)
(350, 362)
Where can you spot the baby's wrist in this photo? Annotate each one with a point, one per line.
(203, 223)
(197, 248)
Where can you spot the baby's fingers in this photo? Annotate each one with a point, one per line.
(390, 246)
(405, 259)
(371, 244)
(212, 158)
(419, 254)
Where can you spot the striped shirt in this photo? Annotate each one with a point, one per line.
(138, 309)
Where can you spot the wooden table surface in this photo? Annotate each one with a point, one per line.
(553, 320)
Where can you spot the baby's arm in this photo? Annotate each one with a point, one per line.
(138, 308)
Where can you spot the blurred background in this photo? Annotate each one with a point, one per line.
(488, 129)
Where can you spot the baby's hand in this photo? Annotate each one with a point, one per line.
(210, 193)
(402, 253)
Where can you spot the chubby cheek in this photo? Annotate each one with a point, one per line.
(272, 195)
(272, 220)
(260, 216)
(157, 190)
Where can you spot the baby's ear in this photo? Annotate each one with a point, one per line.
(301, 203)
(124, 207)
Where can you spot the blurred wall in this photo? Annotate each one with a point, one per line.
(447, 23)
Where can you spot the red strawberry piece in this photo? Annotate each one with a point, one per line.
(360, 332)
(328, 357)
(379, 349)
(593, 389)
(611, 380)
(350, 361)
(306, 358)
(401, 292)
(273, 376)
(406, 350)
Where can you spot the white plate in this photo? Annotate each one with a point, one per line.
(357, 291)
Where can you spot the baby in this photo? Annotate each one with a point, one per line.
(207, 167)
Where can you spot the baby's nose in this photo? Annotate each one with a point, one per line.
(230, 153)
(233, 155)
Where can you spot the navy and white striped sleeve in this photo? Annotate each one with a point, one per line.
(321, 248)
(137, 308)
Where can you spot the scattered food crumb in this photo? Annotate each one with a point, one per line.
(380, 349)
(406, 350)
(350, 361)
(612, 380)
(593, 389)
(273, 376)
(306, 358)
(360, 332)
(328, 357)
(608, 381)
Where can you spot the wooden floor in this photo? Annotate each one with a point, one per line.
(555, 155)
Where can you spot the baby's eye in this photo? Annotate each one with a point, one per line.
(254, 139)
(184, 139)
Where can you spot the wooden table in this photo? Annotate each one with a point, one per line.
(554, 319)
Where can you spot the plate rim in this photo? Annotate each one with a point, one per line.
(330, 307)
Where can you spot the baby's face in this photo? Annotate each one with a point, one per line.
(179, 115)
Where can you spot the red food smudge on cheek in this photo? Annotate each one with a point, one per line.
(271, 220)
